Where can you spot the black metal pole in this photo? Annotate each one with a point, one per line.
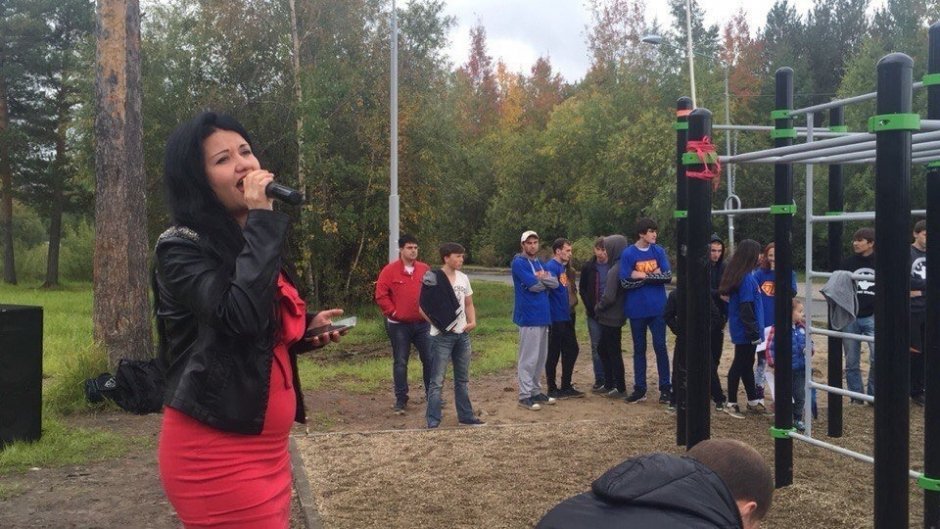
(836, 205)
(698, 301)
(932, 346)
(892, 295)
(783, 210)
(683, 107)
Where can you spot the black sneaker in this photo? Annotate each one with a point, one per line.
(400, 406)
(554, 393)
(615, 394)
(665, 396)
(541, 398)
(734, 411)
(570, 393)
(638, 396)
(597, 386)
(529, 405)
(720, 406)
(600, 390)
(473, 422)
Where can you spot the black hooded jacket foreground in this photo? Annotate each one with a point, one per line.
(651, 491)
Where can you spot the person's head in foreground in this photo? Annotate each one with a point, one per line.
(719, 483)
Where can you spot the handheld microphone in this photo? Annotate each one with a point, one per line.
(282, 192)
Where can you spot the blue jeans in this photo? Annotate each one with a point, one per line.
(853, 355)
(799, 395)
(402, 335)
(594, 330)
(657, 327)
(447, 347)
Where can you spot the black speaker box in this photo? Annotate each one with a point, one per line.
(20, 373)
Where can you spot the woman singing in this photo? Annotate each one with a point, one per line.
(230, 324)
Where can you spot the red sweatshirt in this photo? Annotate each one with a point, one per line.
(397, 292)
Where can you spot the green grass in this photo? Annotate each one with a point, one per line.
(69, 357)
(67, 324)
(61, 445)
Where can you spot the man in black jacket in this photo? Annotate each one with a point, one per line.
(720, 483)
(590, 288)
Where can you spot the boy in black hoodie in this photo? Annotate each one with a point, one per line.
(716, 260)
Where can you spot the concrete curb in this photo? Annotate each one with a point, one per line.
(308, 506)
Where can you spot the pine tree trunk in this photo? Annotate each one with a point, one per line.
(121, 306)
(55, 213)
(6, 189)
(58, 193)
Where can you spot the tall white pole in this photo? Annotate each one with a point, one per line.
(729, 166)
(393, 227)
(688, 31)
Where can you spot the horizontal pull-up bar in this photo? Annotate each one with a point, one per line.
(740, 211)
(842, 102)
(769, 155)
(857, 215)
(840, 334)
(856, 277)
(839, 391)
(844, 451)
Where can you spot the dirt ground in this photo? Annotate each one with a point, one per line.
(367, 467)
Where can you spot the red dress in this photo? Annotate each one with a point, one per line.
(228, 480)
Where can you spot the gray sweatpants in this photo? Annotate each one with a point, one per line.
(533, 350)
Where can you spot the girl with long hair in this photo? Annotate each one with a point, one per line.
(744, 317)
(230, 324)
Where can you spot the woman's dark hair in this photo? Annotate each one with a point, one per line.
(742, 263)
(191, 200)
(765, 262)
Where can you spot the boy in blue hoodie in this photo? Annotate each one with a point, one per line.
(532, 313)
(644, 272)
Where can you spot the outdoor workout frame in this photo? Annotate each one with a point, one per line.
(895, 149)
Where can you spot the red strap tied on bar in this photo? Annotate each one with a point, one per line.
(712, 171)
(683, 113)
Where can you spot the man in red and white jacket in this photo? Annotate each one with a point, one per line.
(396, 293)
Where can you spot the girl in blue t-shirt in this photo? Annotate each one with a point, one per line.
(765, 276)
(744, 319)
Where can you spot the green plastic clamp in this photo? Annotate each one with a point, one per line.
(781, 433)
(838, 128)
(779, 114)
(783, 133)
(929, 483)
(833, 213)
(934, 164)
(681, 125)
(691, 158)
(889, 122)
(783, 209)
(680, 214)
(931, 79)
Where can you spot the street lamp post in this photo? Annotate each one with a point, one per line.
(657, 40)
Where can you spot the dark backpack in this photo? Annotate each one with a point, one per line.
(137, 386)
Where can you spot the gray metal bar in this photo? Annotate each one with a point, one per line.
(842, 102)
(844, 451)
(808, 285)
(839, 334)
(774, 155)
(857, 215)
(844, 392)
(856, 277)
(802, 147)
(741, 211)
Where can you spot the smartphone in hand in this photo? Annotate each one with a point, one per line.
(337, 325)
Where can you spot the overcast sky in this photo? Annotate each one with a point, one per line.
(519, 31)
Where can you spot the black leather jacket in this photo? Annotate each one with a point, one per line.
(217, 321)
